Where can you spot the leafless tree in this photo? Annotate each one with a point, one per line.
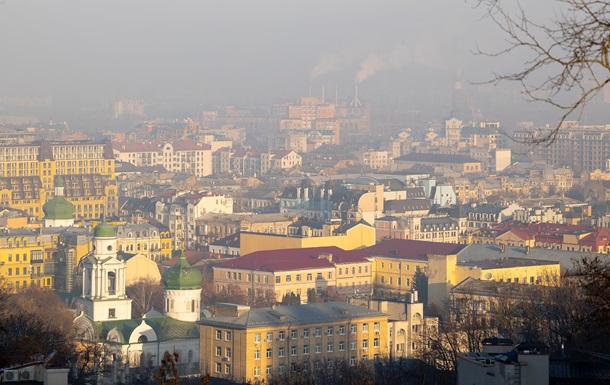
(33, 323)
(145, 293)
(568, 61)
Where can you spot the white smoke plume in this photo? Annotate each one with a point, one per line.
(332, 62)
(374, 63)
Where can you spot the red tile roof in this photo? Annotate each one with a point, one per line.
(296, 259)
(411, 249)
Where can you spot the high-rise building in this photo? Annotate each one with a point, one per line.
(27, 177)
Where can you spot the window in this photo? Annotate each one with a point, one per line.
(257, 371)
(294, 334)
(365, 343)
(218, 367)
(354, 328)
(269, 353)
(227, 336)
(293, 350)
(269, 370)
(288, 278)
(218, 334)
(282, 335)
(281, 351)
(341, 330)
(319, 276)
(257, 337)
(309, 277)
(376, 326)
(218, 351)
(269, 336)
(281, 368)
(305, 349)
(111, 313)
(330, 331)
(257, 354)
(318, 332)
(341, 346)
(318, 348)
(329, 347)
(278, 279)
(376, 342)
(298, 277)
(228, 352)
(352, 361)
(365, 328)
(305, 333)
(228, 369)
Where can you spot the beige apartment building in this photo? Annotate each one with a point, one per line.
(248, 345)
(296, 271)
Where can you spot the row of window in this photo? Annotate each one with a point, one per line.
(330, 347)
(390, 281)
(294, 366)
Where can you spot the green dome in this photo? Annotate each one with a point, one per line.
(58, 208)
(104, 230)
(59, 181)
(182, 276)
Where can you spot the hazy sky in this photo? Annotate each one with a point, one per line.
(245, 52)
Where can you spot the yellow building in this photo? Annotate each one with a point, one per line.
(248, 345)
(347, 237)
(138, 267)
(22, 259)
(444, 272)
(296, 271)
(395, 262)
(27, 174)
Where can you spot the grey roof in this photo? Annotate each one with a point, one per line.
(403, 205)
(482, 252)
(293, 315)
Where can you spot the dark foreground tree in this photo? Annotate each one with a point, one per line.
(33, 323)
(566, 60)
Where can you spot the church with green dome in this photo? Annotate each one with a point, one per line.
(58, 212)
(182, 292)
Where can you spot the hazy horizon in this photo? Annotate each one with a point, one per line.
(181, 54)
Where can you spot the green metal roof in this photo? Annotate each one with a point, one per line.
(104, 230)
(167, 328)
(58, 208)
(182, 276)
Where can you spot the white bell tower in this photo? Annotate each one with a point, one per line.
(103, 295)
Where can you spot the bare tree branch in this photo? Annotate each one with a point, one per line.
(569, 60)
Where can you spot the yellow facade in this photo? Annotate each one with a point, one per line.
(444, 272)
(257, 352)
(394, 275)
(357, 237)
(45, 160)
(22, 260)
(140, 267)
(345, 278)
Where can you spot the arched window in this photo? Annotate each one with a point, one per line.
(111, 283)
(192, 306)
(142, 339)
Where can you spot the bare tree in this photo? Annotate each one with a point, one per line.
(33, 323)
(145, 293)
(568, 62)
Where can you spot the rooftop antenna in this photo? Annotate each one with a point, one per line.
(356, 102)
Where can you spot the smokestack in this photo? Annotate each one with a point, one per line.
(356, 102)
(322, 92)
